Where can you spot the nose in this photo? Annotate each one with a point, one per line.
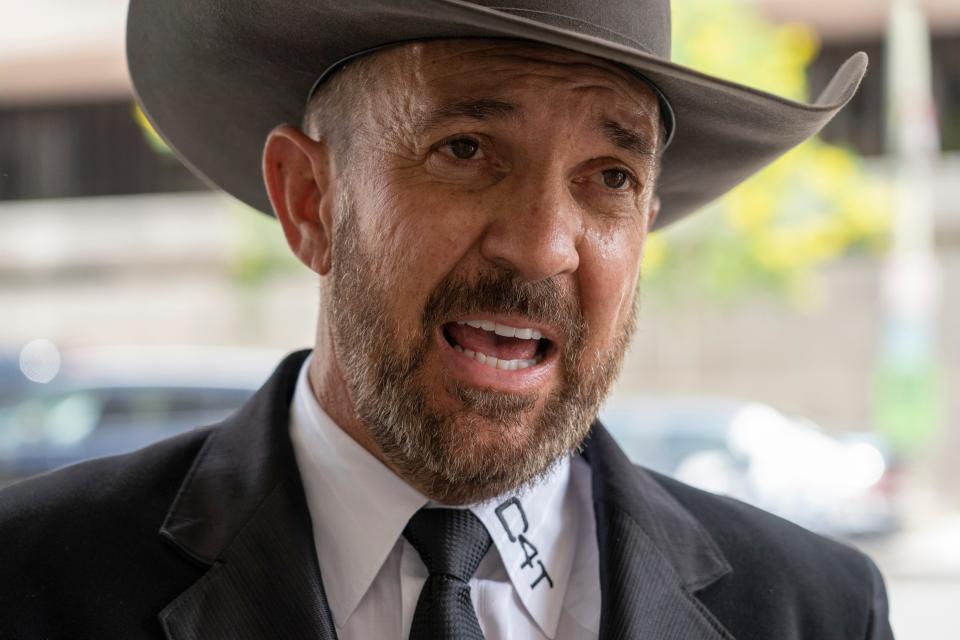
(536, 231)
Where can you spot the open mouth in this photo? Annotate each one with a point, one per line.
(496, 345)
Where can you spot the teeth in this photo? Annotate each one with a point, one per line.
(524, 333)
(503, 329)
(497, 363)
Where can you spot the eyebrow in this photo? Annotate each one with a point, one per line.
(473, 109)
(628, 139)
(491, 109)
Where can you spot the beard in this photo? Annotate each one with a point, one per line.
(492, 442)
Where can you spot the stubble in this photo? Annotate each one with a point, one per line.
(493, 442)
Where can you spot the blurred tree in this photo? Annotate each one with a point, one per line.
(814, 204)
(150, 134)
(257, 251)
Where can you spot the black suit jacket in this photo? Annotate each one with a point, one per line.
(207, 536)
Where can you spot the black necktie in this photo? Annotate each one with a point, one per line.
(451, 543)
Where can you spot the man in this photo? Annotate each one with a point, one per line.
(474, 186)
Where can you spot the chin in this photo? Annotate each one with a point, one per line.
(478, 457)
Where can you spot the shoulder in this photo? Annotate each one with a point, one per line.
(747, 534)
(89, 491)
(803, 579)
(86, 537)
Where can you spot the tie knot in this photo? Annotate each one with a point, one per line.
(450, 542)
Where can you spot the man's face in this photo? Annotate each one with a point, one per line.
(485, 256)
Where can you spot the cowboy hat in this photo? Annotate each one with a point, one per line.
(215, 77)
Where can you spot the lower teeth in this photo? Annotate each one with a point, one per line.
(497, 363)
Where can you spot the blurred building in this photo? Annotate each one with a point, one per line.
(65, 95)
(89, 225)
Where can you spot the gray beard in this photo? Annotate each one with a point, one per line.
(448, 455)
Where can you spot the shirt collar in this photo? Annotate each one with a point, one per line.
(357, 507)
(535, 532)
(359, 510)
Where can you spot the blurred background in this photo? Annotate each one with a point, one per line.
(798, 344)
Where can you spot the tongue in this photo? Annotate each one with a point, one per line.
(489, 343)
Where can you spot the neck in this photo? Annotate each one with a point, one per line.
(330, 389)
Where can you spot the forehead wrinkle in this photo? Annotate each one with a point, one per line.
(578, 74)
(440, 81)
(495, 59)
(628, 139)
(434, 62)
(506, 97)
(479, 109)
(510, 76)
(629, 125)
(632, 128)
(532, 53)
(484, 50)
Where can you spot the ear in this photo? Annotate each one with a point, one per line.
(300, 178)
(652, 212)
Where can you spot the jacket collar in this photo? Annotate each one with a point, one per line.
(241, 511)
(654, 555)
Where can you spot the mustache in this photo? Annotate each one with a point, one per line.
(500, 290)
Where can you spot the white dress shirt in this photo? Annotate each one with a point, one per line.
(540, 578)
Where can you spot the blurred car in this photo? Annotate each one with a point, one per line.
(13, 383)
(752, 452)
(111, 400)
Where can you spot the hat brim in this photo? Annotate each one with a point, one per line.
(215, 81)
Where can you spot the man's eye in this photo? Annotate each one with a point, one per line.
(615, 178)
(463, 148)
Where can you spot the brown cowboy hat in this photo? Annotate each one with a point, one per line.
(215, 77)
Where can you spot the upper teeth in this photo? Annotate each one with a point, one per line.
(523, 333)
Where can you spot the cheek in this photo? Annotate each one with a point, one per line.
(418, 239)
(609, 269)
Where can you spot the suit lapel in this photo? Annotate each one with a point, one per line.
(242, 512)
(654, 555)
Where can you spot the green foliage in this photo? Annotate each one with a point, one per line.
(811, 206)
(908, 403)
(258, 250)
(150, 134)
